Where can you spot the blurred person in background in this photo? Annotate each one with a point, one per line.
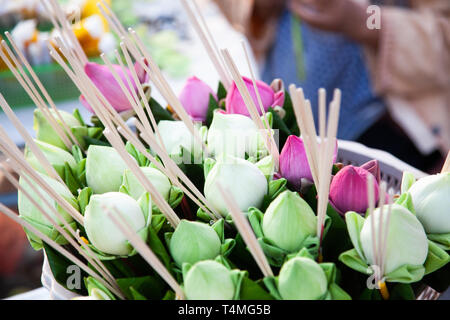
(395, 79)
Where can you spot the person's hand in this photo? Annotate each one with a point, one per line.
(345, 16)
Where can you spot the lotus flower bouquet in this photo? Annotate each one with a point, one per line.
(196, 201)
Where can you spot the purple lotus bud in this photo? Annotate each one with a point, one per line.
(294, 164)
(195, 98)
(348, 190)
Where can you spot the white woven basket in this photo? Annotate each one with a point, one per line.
(350, 152)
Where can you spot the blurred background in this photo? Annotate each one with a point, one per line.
(391, 59)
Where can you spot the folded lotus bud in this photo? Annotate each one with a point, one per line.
(46, 133)
(348, 190)
(235, 103)
(104, 169)
(407, 242)
(101, 230)
(194, 241)
(56, 156)
(235, 135)
(209, 280)
(32, 214)
(157, 178)
(302, 279)
(246, 183)
(288, 221)
(431, 199)
(195, 98)
(176, 135)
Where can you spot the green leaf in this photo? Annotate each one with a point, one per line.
(159, 112)
(355, 224)
(212, 106)
(69, 179)
(83, 198)
(76, 113)
(251, 290)
(158, 247)
(352, 260)
(221, 91)
(436, 259)
(150, 287)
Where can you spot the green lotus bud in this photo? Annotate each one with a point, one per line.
(102, 232)
(56, 156)
(104, 169)
(33, 215)
(209, 280)
(288, 221)
(194, 241)
(44, 130)
(157, 178)
(246, 183)
(431, 199)
(302, 279)
(407, 242)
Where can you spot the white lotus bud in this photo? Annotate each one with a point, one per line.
(104, 169)
(246, 183)
(194, 241)
(101, 230)
(235, 135)
(33, 215)
(406, 240)
(302, 279)
(288, 221)
(156, 177)
(209, 280)
(56, 156)
(431, 198)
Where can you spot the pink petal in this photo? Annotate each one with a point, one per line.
(293, 161)
(235, 103)
(278, 99)
(108, 86)
(86, 104)
(195, 98)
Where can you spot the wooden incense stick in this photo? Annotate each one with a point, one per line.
(446, 166)
(43, 90)
(208, 41)
(246, 232)
(8, 147)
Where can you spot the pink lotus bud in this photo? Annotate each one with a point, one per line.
(109, 87)
(235, 104)
(348, 190)
(294, 164)
(195, 98)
